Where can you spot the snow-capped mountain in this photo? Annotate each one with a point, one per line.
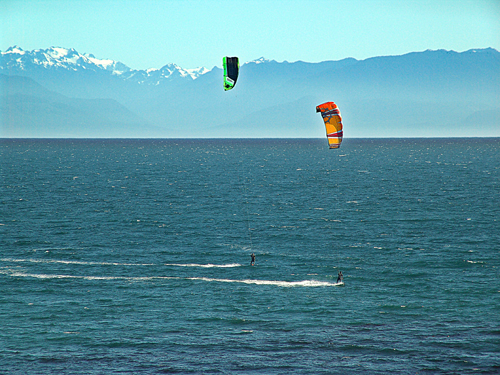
(16, 60)
(419, 94)
(56, 58)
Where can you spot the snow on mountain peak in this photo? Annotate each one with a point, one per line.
(14, 49)
(195, 73)
(260, 60)
(63, 58)
(56, 58)
(173, 70)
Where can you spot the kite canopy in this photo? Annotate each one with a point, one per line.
(333, 123)
(231, 69)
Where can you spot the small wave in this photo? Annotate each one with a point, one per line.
(55, 248)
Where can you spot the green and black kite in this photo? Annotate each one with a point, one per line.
(231, 69)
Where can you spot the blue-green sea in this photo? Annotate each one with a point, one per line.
(133, 256)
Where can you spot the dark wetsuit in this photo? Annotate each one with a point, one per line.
(253, 259)
(340, 277)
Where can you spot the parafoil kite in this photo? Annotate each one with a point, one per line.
(231, 69)
(333, 123)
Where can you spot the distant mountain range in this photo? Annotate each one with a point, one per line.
(59, 92)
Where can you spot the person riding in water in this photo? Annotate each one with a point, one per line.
(253, 259)
(340, 277)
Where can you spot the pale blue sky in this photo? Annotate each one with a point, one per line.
(191, 33)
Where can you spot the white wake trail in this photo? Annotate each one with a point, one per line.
(279, 283)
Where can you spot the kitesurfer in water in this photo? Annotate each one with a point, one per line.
(340, 277)
(253, 259)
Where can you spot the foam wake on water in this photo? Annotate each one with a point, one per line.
(286, 284)
(209, 265)
(47, 276)
(74, 262)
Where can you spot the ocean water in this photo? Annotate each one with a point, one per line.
(133, 256)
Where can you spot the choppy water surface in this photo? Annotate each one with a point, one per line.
(132, 256)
